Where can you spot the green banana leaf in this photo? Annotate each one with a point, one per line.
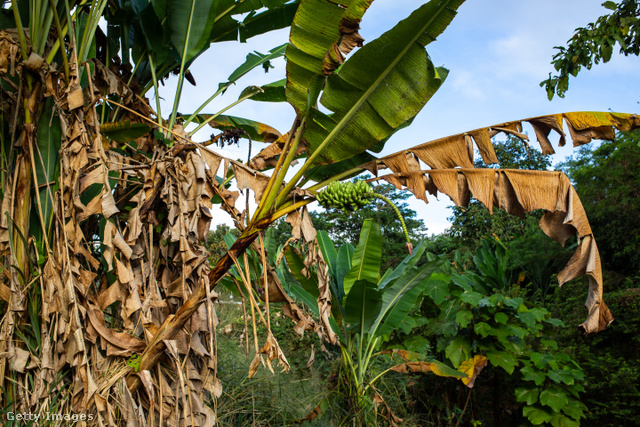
(323, 172)
(382, 86)
(272, 92)
(296, 265)
(407, 263)
(315, 29)
(256, 131)
(254, 60)
(400, 296)
(365, 264)
(278, 16)
(124, 131)
(343, 265)
(189, 24)
(329, 253)
(271, 246)
(294, 288)
(362, 304)
(47, 167)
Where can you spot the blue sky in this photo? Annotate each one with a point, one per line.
(497, 52)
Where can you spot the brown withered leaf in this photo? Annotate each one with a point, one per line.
(127, 344)
(247, 178)
(391, 418)
(271, 349)
(18, 359)
(423, 367)
(349, 38)
(472, 367)
(407, 356)
(453, 151)
(301, 225)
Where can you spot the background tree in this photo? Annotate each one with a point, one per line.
(215, 241)
(608, 181)
(595, 43)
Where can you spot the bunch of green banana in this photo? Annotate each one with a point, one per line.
(347, 196)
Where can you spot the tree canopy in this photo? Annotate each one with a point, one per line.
(608, 181)
(596, 42)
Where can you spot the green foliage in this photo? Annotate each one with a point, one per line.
(484, 314)
(367, 308)
(595, 43)
(215, 242)
(610, 359)
(607, 180)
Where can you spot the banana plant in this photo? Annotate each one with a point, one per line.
(367, 306)
(125, 270)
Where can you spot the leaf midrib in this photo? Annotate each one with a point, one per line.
(373, 87)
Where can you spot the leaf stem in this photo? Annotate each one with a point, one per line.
(398, 214)
(176, 99)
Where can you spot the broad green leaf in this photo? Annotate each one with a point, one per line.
(483, 329)
(503, 359)
(362, 304)
(271, 246)
(47, 166)
(561, 375)
(417, 343)
(190, 23)
(471, 297)
(513, 302)
(496, 299)
(315, 34)
(365, 263)
(574, 408)
(408, 262)
(528, 318)
(124, 131)
(501, 317)
(383, 85)
(300, 293)
(229, 240)
(540, 360)
(400, 296)
(272, 19)
(255, 60)
(530, 373)
(438, 287)
(255, 130)
(536, 415)
(329, 253)
(343, 265)
(527, 394)
(458, 351)
(296, 265)
(272, 92)
(555, 398)
(559, 420)
(464, 317)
